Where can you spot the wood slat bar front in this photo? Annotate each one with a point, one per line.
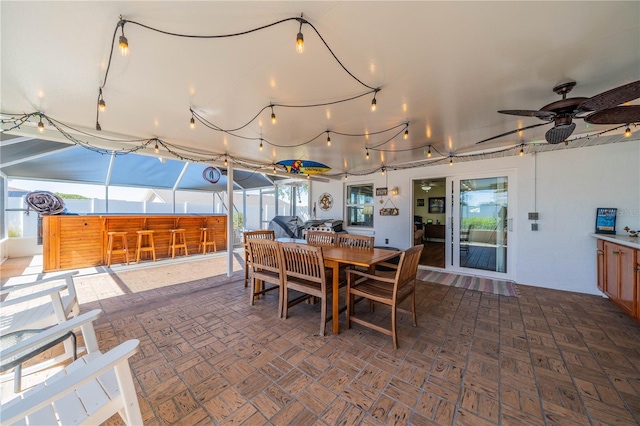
(70, 242)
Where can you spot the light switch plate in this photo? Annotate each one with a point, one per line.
(533, 216)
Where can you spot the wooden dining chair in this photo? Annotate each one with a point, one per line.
(352, 240)
(304, 271)
(248, 235)
(386, 290)
(266, 268)
(321, 238)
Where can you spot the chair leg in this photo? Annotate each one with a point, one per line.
(413, 308)
(350, 306)
(280, 300)
(246, 270)
(323, 315)
(285, 302)
(394, 335)
(252, 294)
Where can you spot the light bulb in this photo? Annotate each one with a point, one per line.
(300, 42)
(308, 177)
(40, 126)
(382, 171)
(192, 123)
(627, 132)
(429, 152)
(373, 103)
(328, 139)
(367, 154)
(406, 134)
(225, 161)
(124, 45)
(451, 161)
(345, 176)
(521, 151)
(274, 169)
(156, 149)
(260, 145)
(273, 117)
(102, 105)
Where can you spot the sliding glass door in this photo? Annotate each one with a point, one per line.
(481, 225)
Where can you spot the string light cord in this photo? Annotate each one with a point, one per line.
(122, 22)
(210, 125)
(273, 105)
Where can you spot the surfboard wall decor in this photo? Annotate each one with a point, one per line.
(304, 167)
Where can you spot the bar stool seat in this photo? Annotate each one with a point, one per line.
(147, 246)
(177, 241)
(124, 248)
(207, 238)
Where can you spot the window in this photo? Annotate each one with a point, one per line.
(360, 205)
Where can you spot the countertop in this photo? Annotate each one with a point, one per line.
(624, 240)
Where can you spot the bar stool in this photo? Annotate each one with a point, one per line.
(207, 238)
(148, 247)
(124, 247)
(177, 240)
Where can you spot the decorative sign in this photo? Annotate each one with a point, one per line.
(326, 201)
(304, 167)
(380, 192)
(211, 174)
(389, 212)
(606, 220)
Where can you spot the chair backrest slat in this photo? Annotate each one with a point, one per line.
(321, 238)
(303, 261)
(264, 255)
(261, 234)
(408, 267)
(358, 241)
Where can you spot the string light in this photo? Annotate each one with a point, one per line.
(328, 139)
(382, 171)
(273, 116)
(101, 104)
(192, 122)
(308, 177)
(367, 156)
(406, 134)
(627, 132)
(373, 102)
(122, 41)
(521, 151)
(451, 161)
(274, 169)
(260, 144)
(429, 152)
(40, 125)
(225, 160)
(345, 176)
(156, 149)
(300, 38)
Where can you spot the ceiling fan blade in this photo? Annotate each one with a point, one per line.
(559, 133)
(615, 115)
(543, 115)
(512, 132)
(611, 98)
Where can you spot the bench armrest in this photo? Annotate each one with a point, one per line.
(68, 277)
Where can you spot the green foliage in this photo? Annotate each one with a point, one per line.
(238, 220)
(14, 232)
(71, 196)
(489, 223)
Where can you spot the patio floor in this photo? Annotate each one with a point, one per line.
(208, 357)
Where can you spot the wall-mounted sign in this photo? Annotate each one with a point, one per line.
(211, 174)
(381, 192)
(326, 201)
(304, 167)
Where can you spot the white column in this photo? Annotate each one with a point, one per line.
(230, 219)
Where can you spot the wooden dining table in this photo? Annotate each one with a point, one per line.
(335, 256)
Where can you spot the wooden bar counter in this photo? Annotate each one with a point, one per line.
(70, 242)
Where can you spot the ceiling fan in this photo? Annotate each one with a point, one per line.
(603, 108)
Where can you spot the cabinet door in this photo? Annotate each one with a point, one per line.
(612, 258)
(601, 266)
(627, 277)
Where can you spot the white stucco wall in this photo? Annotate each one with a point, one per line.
(565, 187)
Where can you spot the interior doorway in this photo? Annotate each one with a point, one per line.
(429, 220)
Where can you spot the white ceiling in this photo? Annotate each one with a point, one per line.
(444, 67)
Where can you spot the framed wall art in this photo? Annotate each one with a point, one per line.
(436, 205)
(606, 220)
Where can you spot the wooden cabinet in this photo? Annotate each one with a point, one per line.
(618, 275)
(434, 231)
